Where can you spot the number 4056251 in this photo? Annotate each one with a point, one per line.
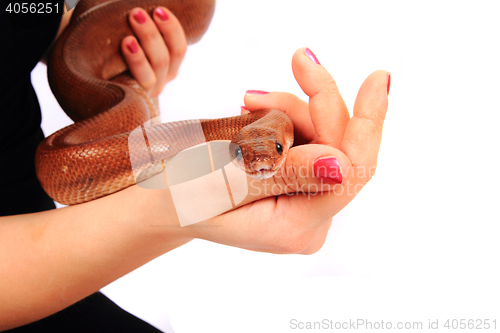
(32, 8)
(470, 324)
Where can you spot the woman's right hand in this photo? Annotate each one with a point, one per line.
(337, 157)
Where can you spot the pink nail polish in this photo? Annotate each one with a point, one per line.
(388, 83)
(311, 55)
(244, 108)
(328, 170)
(162, 14)
(257, 92)
(139, 17)
(133, 47)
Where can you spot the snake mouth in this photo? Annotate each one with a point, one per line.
(261, 171)
(261, 174)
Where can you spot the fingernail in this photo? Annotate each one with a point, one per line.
(311, 55)
(328, 170)
(244, 108)
(388, 83)
(140, 17)
(133, 47)
(257, 92)
(162, 15)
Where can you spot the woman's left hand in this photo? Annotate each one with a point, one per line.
(155, 53)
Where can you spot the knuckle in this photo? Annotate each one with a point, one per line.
(287, 177)
(136, 63)
(372, 125)
(369, 129)
(381, 111)
(356, 142)
(179, 51)
(161, 62)
(292, 101)
(328, 88)
(148, 84)
(156, 92)
(148, 34)
(171, 75)
(136, 60)
(331, 85)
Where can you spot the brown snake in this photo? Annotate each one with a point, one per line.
(92, 157)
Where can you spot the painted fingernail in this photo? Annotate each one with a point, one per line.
(257, 92)
(162, 15)
(311, 55)
(388, 83)
(133, 47)
(244, 108)
(328, 170)
(139, 17)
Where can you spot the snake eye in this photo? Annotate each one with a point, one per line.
(238, 153)
(279, 148)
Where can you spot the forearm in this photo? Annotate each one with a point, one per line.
(52, 259)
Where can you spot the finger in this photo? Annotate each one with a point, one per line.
(329, 113)
(364, 132)
(294, 107)
(308, 170)
(138, 63)
(153, 45)
(174, 37)
(244, 110)
(334, 182)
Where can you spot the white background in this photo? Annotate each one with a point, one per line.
(420, 242)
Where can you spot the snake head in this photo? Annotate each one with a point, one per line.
(260, 152)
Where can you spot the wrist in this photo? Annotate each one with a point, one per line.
(153, 214)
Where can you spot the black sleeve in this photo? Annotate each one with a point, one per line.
(24, 38)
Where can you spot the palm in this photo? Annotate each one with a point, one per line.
(299, 223)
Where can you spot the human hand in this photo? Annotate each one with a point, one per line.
(336, 158)
(154, 56)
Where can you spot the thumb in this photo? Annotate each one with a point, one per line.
(309, 168)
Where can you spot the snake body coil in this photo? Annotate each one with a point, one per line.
(91, 158)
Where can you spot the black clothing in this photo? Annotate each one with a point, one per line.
(94, 314)
(22, 46)
(20, 116)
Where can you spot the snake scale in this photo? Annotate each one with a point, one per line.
(88, 75)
